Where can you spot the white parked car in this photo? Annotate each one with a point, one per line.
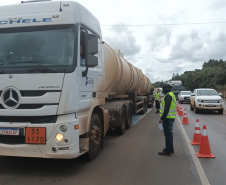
(184, 96)
(206, 99)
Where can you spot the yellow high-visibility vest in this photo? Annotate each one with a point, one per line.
(172, 112)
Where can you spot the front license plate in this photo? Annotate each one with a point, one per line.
(9, 131)
(35, 135)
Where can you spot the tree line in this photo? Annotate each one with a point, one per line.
(212, 75)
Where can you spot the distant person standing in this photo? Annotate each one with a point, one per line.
(157, 101)
(167, 117)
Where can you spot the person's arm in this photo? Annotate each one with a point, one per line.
(168, 100)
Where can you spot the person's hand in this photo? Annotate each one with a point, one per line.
(160, 121)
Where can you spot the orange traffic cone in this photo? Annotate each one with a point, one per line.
(197, 134)
(180, 111)
(204, 149)
(185, 118)
(178, 108)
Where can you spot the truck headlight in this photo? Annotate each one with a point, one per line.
(199, 100)
(59, 137)
(63, 128)
(221, 100)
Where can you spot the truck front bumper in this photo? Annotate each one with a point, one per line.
(52, 148)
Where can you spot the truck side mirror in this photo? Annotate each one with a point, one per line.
(91, 48)
(192, 94)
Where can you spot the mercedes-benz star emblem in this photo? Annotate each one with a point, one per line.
(10, 98)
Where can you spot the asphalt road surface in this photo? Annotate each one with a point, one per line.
(215, 169)
(130, 159)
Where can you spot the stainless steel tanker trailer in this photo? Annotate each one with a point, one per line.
(52, 105)
(127, 89)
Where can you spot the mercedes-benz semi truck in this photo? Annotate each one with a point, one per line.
(61, 87)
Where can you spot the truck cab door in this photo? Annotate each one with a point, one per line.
(90, 74)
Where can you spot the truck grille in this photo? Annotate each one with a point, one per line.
(29, 119)
(12, 139)
(34, 93)
(30, 106)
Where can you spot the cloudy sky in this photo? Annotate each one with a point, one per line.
(162, 37)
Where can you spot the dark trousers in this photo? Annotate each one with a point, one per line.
(157, 105)
(168, 128)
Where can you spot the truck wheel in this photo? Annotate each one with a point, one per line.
(196, 109)
(144, 107)
(94, 137)
(220, 111)
(191, 108)
(129, 119)
(121, 129)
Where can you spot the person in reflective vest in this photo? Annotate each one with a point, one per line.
(157, 101)
(167, 117)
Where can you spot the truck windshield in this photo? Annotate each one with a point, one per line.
(177, 88)
(207, 93)
(50, 47)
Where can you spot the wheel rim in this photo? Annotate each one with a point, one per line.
(95, 136)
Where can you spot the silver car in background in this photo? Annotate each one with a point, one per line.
(184, 96)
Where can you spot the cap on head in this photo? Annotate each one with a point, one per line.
(167, 87)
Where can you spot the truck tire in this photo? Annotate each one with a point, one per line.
(129, 119)
(95, 137)
(220, 111)
(144, 107)
(196, 109)
(191, 108)
(121, 129)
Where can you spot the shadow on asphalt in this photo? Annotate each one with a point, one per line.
(209, 112)
(40, 167)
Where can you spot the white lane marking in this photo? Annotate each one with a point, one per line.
(138, 118)
(198, 165)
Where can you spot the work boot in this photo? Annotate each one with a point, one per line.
(172, 152)
(165, 153)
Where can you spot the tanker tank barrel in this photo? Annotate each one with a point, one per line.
(122, 77)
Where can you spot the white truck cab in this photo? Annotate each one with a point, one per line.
(207, 99)
(46, 92)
